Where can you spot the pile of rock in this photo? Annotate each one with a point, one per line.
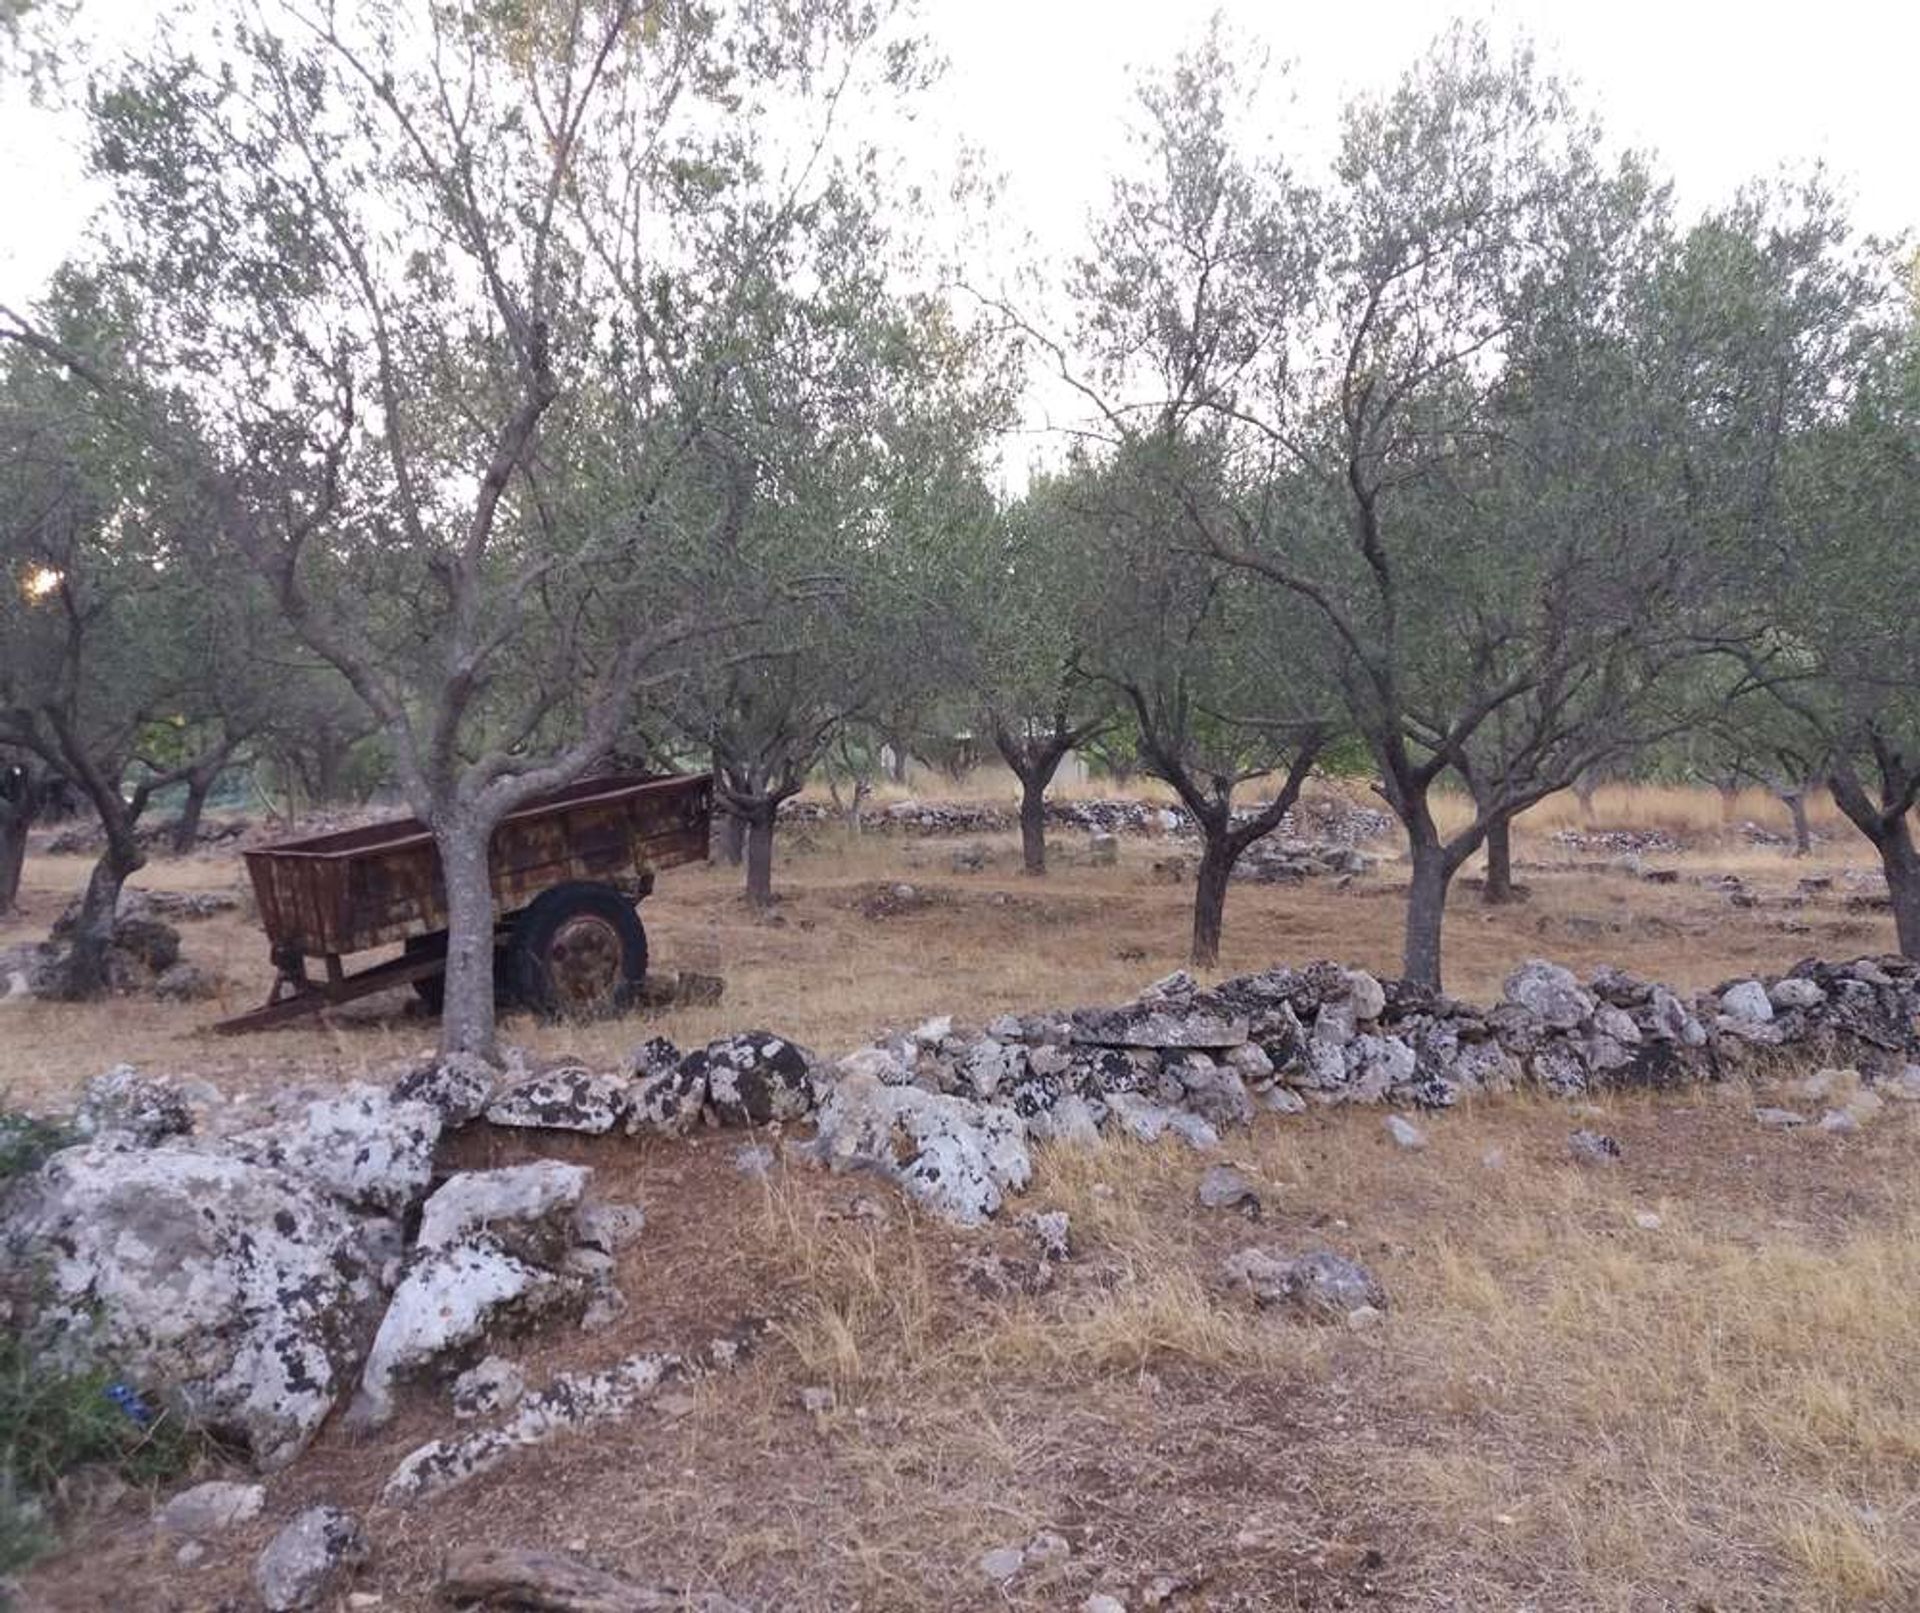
(261, 1273)
(1327, 820)
(88, 839)
(255, 1275)
(144, 958)
(1281, 860)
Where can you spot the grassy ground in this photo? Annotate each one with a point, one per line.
(1680, 1382)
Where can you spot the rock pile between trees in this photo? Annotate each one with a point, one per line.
(1325, 819)
(259, 1275)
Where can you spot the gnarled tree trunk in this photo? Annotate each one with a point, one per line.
(86, 971)
(1210, 895)
(1884, 822)
(1795, 801)
(19, 800)
(759, 833)
(1426, 914)
(462, 837)
(1499, 883)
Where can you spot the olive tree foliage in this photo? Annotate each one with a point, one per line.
(110, 618)
(843, 467)
(1210, 671)
(446, 289)
(1022, 589)
(1422, 373)
(1830, 674)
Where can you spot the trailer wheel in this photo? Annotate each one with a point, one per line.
(578, 952)
(430, 989)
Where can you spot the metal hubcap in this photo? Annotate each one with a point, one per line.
(584, 963)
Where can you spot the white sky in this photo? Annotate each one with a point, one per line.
(1722, 89)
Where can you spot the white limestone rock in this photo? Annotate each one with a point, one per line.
(242, 1289)
(956, 1157)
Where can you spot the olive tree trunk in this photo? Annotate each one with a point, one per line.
(1499, 882)
(16, 818)
(463, 839)
(1210, 896)
(186, 827)
(86, 971)
(1426, 914)
(759, 837)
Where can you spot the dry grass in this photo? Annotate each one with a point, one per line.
(826, 973)
(1564, 1409)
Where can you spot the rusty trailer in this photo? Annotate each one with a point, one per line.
(567, 870)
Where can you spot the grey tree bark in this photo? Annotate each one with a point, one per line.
(466, 1016)
(1498, 889)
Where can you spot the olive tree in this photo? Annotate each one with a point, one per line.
(437, 288)
(106, 675)
(1210, 673)
(1401, 361)
(1828, 675)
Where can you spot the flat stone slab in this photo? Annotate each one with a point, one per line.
(1159, 1026)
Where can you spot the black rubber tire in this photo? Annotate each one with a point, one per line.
(600, 933)
(432, 991)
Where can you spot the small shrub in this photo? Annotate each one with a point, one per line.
(52, 1424)
(26, 1141)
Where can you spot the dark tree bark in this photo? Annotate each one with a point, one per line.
(1033, 825)
(760, 855)
(1209, 798)
(1035, 759)
(729, 838)
(1433, 871)
(1795, 801)
(185, 832)
(86, 971)
(1883, 818)
(1499, 883)
(19, 802)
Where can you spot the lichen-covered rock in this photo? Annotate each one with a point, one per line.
(457, 1086)
(668, 1098)
(451, 1300)
(1194, 1022)
(883, 1064)
(755, 1078)
(489, 1386)
(573, 1400)
(989, 1066)
(245, 1292)
(566, 1096)
(492, 1254)
(1319, 1285)
(529, 1209)
(956, 1157)
(308, 1563)
(1747, 1002)
(361, 1147)
(1549, 992)
(1368, 996)
(206, 1509)
(1794, 992)
(132, 1109)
